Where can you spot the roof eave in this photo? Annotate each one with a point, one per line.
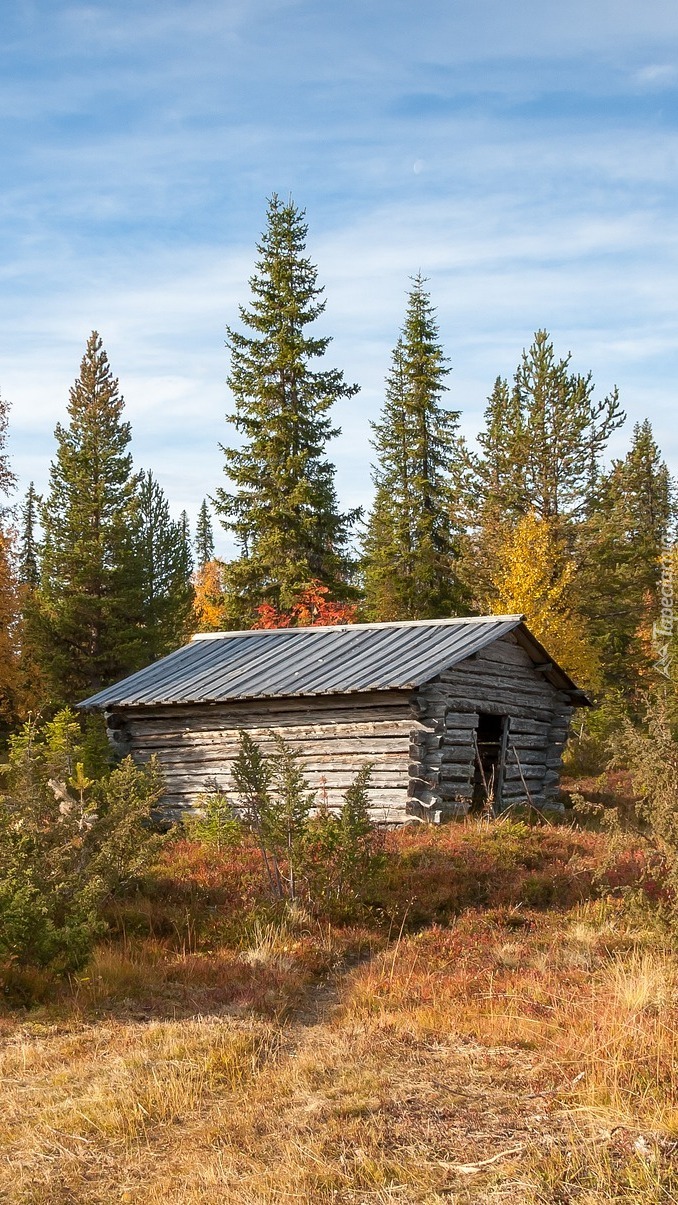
(554, 674)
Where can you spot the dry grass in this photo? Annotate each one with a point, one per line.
(512, 1055)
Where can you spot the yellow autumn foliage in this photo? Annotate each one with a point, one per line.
(209, 602)
(533, 576)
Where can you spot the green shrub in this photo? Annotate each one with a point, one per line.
(593, 738)
(68, 844)
(650, 751)
(327, 858)
(342, 854)
(216, 823)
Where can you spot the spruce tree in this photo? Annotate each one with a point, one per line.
(186, 546)
(89, 597)
(283, 510)
(204, 537)
(164, 556)
(7, 477)
(29, 572)
(411, 544)
(10, 633)
(32, 690)
(495, 497)
(501, 467)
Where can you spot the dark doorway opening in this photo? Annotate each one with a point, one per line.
(490, 755)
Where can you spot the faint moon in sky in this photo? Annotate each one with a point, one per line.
(418, 166)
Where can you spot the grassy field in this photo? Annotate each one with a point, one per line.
(500, 1025)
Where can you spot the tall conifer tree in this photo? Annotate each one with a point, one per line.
(541, 454)
(89, 598)
(29, 572)
(283, 510)
(7, 477)
(411, 545)
(567, 432)
(629, 527)
(186, 545)
(544, 439)
(32, 693)
(204, 536)
(501, 467)
(164, 555)
(496, 494)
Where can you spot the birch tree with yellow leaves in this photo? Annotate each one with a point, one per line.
(533, 576)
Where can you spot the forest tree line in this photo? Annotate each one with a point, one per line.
(97, 579)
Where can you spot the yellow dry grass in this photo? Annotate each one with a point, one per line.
(507, 1058)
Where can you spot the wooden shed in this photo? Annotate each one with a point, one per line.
(448, 711)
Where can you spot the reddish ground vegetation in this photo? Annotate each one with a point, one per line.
(501, 1025)
(424, 876)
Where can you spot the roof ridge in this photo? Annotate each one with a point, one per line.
(352, 627)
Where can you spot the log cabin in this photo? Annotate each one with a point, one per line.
(455, 715)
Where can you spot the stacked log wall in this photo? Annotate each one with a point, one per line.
(335, 735)
(500, 680)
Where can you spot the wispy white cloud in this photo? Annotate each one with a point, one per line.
(658, 75)
(142, 140)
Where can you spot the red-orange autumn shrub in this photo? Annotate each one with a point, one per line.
(313, 609)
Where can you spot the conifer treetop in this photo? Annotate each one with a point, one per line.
(29, 573)
(411, 540)
(204, 536)
(283, 509)
(7, 477)
(90, 592)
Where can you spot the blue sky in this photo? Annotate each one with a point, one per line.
(523, 156)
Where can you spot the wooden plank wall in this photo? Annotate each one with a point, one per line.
(336, 735)
(501, 680)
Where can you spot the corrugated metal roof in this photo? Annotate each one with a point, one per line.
(218, 667)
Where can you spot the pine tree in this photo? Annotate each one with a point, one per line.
(411, 544)
(567, 432)
(29, 573)
(89, 598)
(541, 454)
(283, 511)
(204, 536)
(629, 527)
(544, 439)
(164, 554)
